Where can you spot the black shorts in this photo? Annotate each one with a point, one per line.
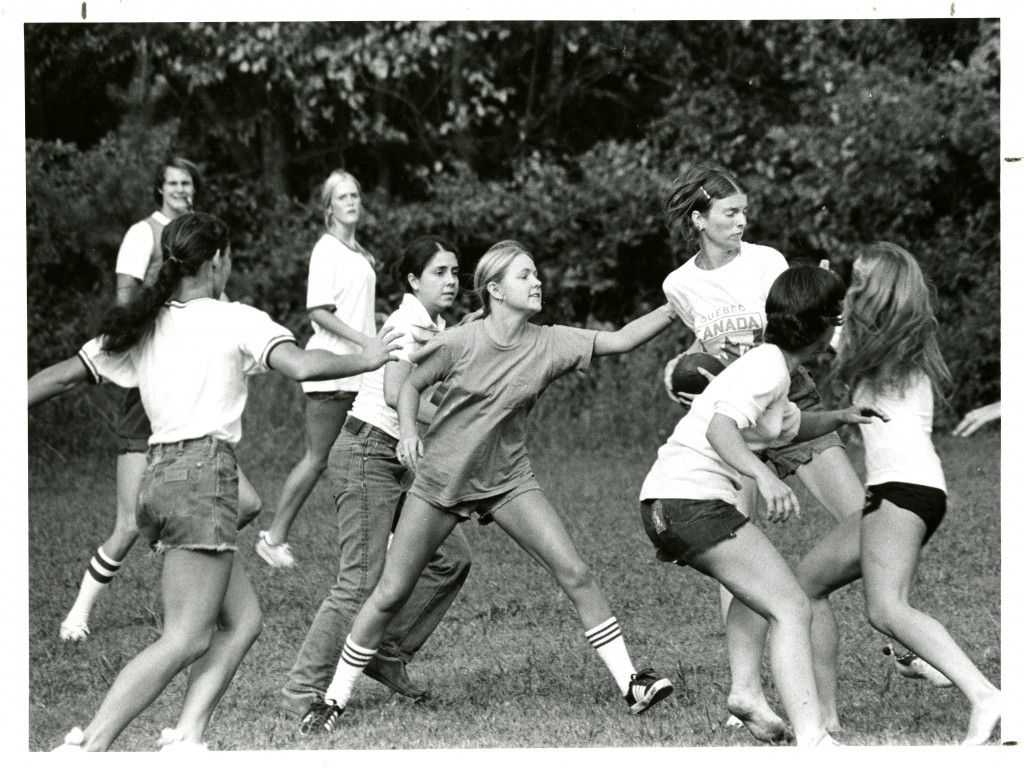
(133, 429)
(924, 501)
(682, 528)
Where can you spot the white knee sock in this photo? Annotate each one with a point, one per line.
(606, 638)
(101, 571)
(351, 665)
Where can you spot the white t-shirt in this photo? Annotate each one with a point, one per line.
(753, 393)
(726, 303)
(343, 282)
(137, 248)
(191, 372)
(901, 450)
(417, 327)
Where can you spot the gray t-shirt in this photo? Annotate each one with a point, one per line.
(476, 444)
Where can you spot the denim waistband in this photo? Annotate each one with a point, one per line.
(208, 441)
(357, 426)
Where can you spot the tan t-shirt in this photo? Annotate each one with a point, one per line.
(476, 445)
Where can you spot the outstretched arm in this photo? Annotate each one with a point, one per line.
(978, 418)
(319, 364)
(817, 423)
(56, 380)
(635, 333)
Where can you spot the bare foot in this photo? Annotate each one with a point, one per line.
(759, 719)
(984, 719)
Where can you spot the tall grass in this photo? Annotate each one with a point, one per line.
(508, 667)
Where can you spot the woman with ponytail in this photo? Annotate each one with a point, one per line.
(189, 355)
(690, 498)
(175, 182)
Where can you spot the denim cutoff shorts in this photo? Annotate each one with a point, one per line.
(682, 528)
(133, 429)
(188, 498)
(483, 508)
(787, 458)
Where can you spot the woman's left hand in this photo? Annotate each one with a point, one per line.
(409, 451)
(862, 414)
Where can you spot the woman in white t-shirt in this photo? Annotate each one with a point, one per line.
(889, 356)
(190, 354)
(690, 498)
(720, 294)
(368, 483)
(340, 301)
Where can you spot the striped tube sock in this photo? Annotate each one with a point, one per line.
(352, 663)
(102, 569)
(607, 640)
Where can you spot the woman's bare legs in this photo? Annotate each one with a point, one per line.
(193, 586)
(891, 540)
(753, 570)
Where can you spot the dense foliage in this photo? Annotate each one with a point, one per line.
(565, 135)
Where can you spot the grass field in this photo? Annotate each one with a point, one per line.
(509, 666)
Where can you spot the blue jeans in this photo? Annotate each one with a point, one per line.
(367, 481)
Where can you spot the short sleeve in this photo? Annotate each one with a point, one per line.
(773, 264)
(747, 388)
(116, 368)
(322, 277)
(790, 424)
(414, 337)
(136, 250)
(571, 349)
(259, 336)
(677, 298)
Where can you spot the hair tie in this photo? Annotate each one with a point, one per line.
(174, 260)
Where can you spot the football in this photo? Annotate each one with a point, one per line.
(685, 376)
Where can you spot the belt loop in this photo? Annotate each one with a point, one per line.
(213, 447)
(180, 445)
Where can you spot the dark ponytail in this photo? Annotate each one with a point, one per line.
(187, 243)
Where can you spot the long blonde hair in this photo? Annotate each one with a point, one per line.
(890, 332)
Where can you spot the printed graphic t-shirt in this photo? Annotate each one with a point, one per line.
(726, 304)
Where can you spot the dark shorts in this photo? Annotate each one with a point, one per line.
(188, 498)
(340, 396)
(924, 501)
(483, 508)
(788, 458)
(682, 528)
(133, 429)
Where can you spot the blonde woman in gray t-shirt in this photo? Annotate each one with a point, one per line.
(473, 460)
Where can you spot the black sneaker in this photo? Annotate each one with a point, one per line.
(645, 690)
(322, 715)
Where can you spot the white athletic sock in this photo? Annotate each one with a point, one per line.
(102, 569)
(354, 659)
(607, 640)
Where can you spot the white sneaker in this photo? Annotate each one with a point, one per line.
(173, 740)
(74, 629)
(913, 667)
(72, 742)
(276, 555)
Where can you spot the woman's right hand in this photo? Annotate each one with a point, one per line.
(409, 451)
(685, 399)
(780, 501)
(380, 350)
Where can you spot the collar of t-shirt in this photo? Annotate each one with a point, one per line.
(415, 307)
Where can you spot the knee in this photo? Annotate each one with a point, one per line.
(251, 628)
(880, 613)
(795, 608)
(575, 577)
(190, 647)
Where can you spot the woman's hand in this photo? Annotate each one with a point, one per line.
(409, 451)
(684, 399)
(381, 349)
(862, 414)
(779, 498)
(978, 418)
